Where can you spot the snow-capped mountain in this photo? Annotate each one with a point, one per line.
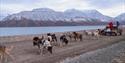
(1, 17)
(120, 17)
(92, 14)
(96, 15)
(36, 14)
(46, 14)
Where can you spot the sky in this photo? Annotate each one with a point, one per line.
(107, 7)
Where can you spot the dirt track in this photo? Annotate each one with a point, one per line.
(24, 52)
(114, 53)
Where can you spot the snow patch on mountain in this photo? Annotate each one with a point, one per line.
(46, 14)
(120, 17)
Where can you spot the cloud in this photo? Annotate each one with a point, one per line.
(15, 6)
(104, 6)
(62, 5)
(19, 1)
(105, 3)
(59, 5)
(114, 11)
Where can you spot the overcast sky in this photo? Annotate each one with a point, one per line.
(107, 7)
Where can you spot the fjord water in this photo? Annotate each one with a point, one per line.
(11, 31)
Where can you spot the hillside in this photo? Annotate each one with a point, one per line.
(49, 17)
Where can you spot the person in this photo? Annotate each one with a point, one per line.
(117, 24)
(48, 45)
(110, 25)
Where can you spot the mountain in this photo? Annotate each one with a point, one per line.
(92, 14)
(46, 14)
(96, 15)
(31, 23)
(1, 17)
(35, 14)
(120, 17)
(49, 17)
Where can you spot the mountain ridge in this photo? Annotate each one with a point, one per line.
(49, 14)
(49, 17)
(120, 17)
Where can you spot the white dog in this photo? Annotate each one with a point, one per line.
(92, 33)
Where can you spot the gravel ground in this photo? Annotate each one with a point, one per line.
(24, 52)
(110, 54)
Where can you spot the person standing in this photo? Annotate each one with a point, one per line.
(117, 24)
(110, 25)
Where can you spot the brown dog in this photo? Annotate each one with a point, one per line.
(4, 51)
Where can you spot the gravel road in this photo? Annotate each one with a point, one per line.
(111, 54)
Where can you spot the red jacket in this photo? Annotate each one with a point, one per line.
(110, 25)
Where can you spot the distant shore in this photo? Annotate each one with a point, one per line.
(20, 31)
(18, 38)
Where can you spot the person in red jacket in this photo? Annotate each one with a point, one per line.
(110, 25)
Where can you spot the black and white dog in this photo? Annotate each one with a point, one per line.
(63, 39)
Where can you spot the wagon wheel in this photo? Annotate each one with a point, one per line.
(114, 33)
(107, 34)
(120, 32)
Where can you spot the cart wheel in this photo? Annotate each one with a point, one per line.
(106, 33)
(114, 34)
(120, 33)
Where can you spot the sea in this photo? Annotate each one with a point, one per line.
(12, 31)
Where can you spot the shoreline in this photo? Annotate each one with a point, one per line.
(65, 29)
(42, 33)
(18, 38)
(28, 37)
